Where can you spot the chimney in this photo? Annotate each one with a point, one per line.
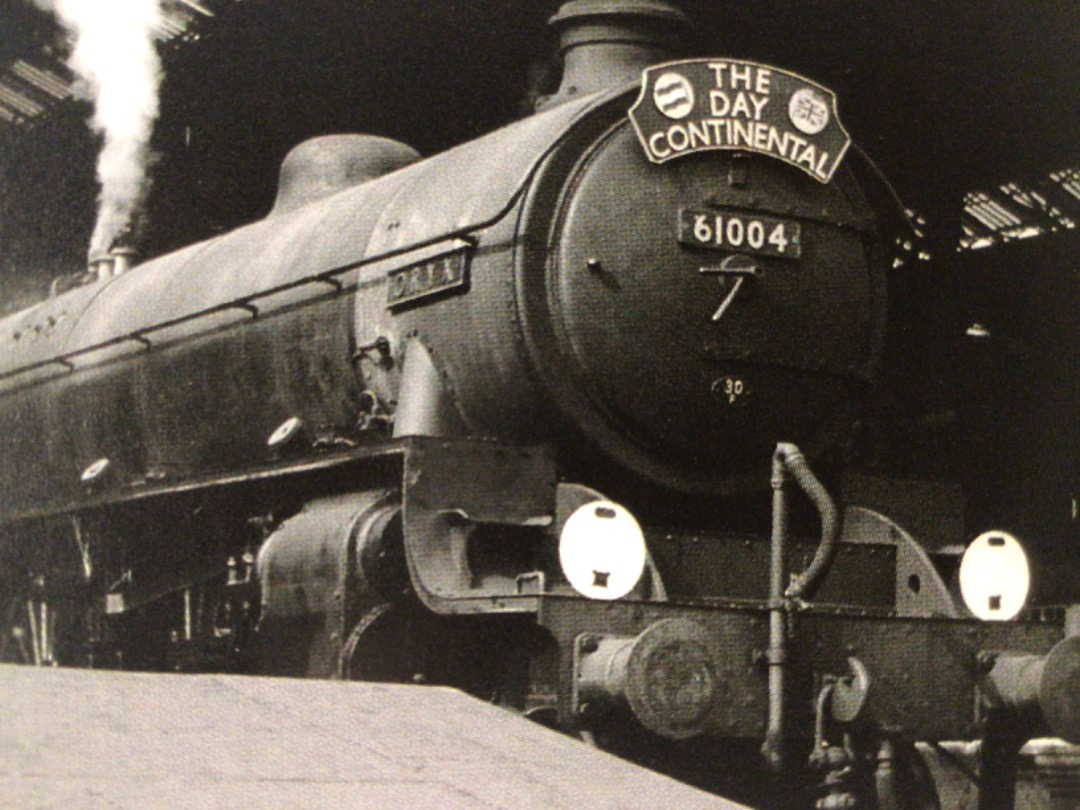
(101, 266)
(607, 43)
(114, 263)
(122, 259)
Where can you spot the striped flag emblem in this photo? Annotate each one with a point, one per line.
(673, 95)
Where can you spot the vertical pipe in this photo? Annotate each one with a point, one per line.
(46, 636)
(187, 614)
(773, 748)
(35, 640)
(886, 778)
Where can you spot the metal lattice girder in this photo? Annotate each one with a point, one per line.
(1021, 211)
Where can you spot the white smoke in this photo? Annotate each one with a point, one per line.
(119, 70)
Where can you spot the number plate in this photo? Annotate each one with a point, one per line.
(745, 233)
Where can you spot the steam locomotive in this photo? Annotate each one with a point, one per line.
(529, 418)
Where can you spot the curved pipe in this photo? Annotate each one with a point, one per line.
(788, 460)
(805, 585)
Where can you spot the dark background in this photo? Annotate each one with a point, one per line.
(946, 96)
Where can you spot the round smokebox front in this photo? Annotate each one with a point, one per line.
(708, 307)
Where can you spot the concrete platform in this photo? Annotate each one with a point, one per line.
(83, 739)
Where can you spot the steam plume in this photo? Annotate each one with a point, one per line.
(119, 70)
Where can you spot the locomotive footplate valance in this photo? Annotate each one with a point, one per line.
(720, 684)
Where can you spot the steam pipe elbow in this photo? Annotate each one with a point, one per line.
(783, 456)
(807, 583)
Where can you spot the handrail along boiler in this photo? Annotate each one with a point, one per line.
(502, 419)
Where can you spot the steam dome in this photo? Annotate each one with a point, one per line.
(325, 165)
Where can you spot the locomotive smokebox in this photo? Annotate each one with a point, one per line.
(606, 43)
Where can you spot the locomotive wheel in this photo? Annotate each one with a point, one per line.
(383, 647)
(403, 642)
